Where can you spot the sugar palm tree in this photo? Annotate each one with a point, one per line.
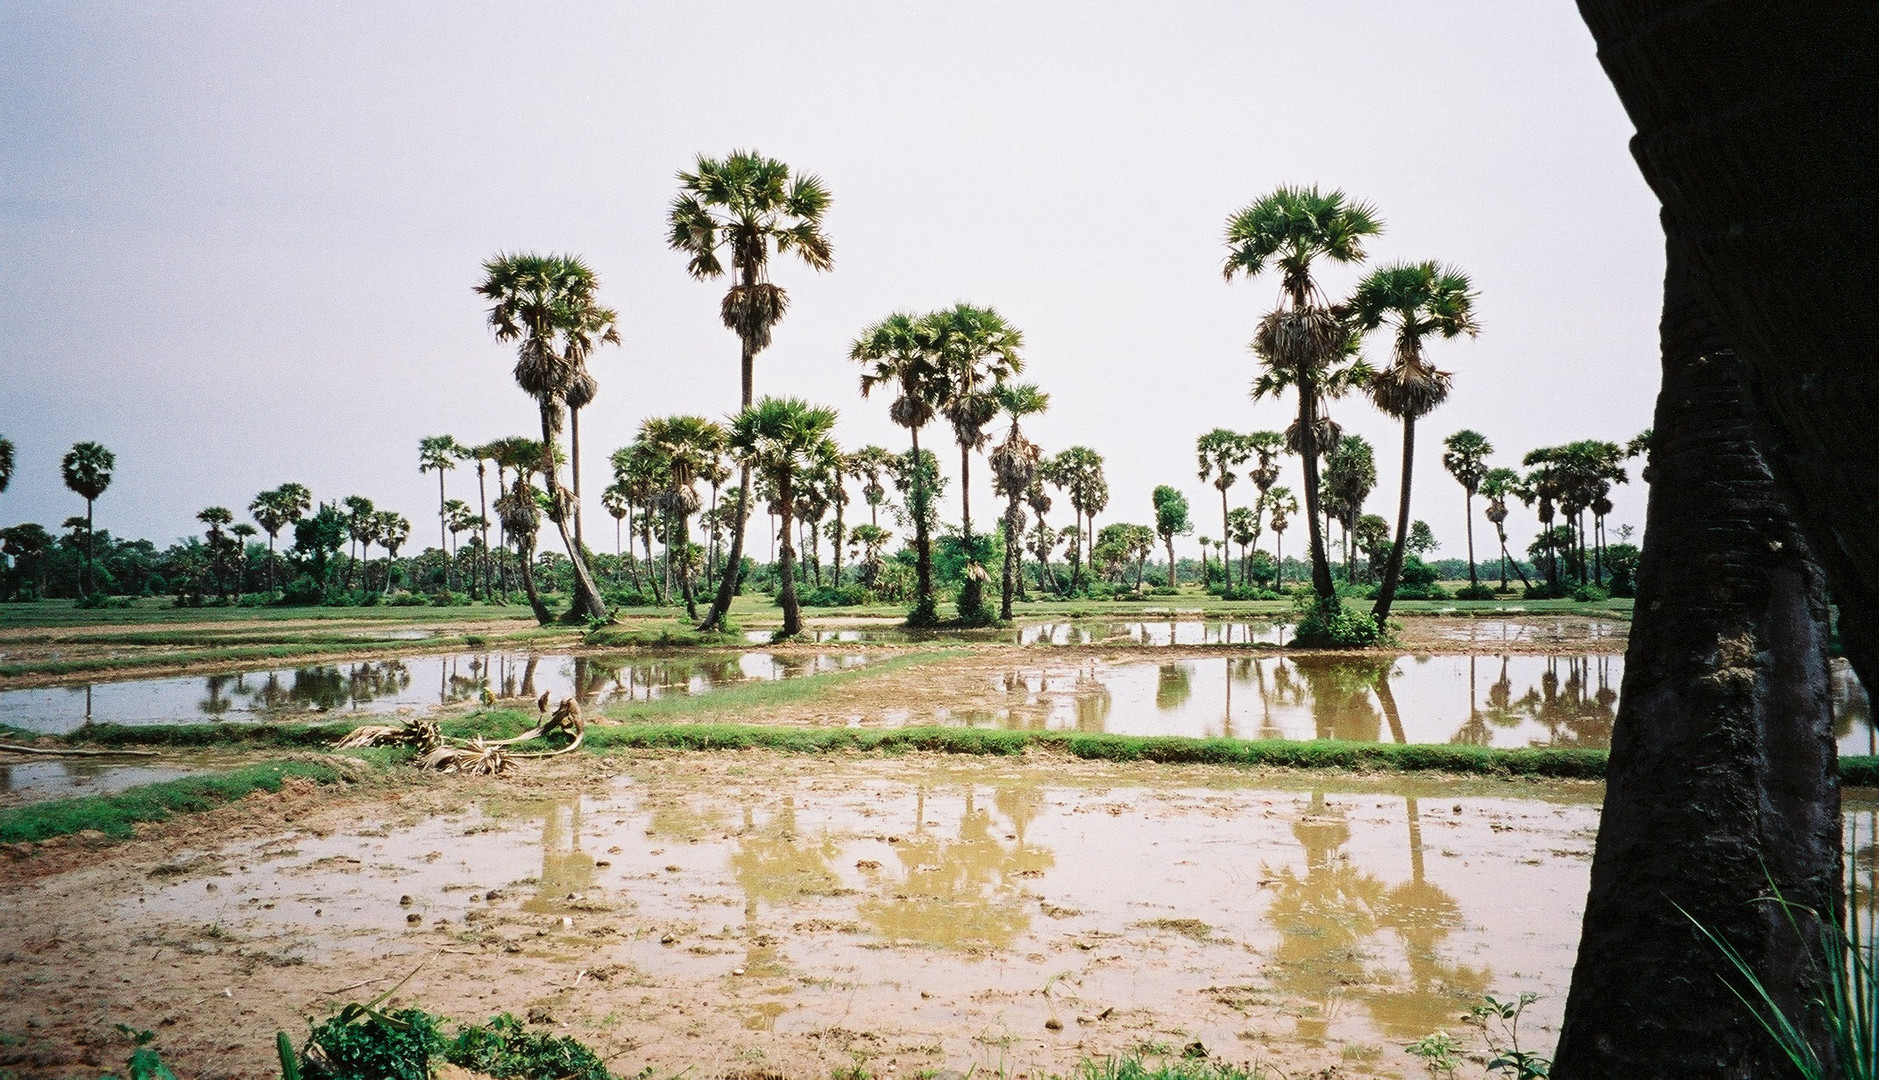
(744, 206)
(6, 462)
(359, 511)
(898, 352)
(391, 529)
(1350, 473)
(868, 465)
(440, 454)
(275, 510)
(1037, 497)
(1420, 300)
(975, 350)
(1280, 506)
(86, 469)
(1014, 470)
(1465, 455)
(1221, 451)
(780, 439)
(618, 507)
(689, 446)
(549, 305)
(1496, 486)
(1242, 529)
(1078, 470)
(521, 519)
(1303, 341)
(483, 454)
(580, 393)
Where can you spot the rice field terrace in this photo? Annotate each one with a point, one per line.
(865, 848)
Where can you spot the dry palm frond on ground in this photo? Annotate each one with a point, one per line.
(422, 736)
(477, 759)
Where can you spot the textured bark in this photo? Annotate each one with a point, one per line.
(1756, 130)
(1393, 569)
(1308, 462)
(1723, 775)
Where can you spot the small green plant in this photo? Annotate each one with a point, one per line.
(145, 1063)
(361, 1043)
(1135, 1067)
(504, 1048)
(1499, 1022)
(1440, 1053)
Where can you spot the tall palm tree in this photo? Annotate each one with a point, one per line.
(440, 454)
(1014, 471)
(1303, 340)
(549, 305)
(391, 529)
(1242, 529)
(898, 352)
(743, 206)
(688, 446)
(521, 518)
(1350, 473)
(641, 472)
(868, 465)
(976, 350)
(1496, 486)
(275, 510)
(483, 454)
(6, 462)
(217, 518)
(781, 438)
(1220, 451)
(618, 507)
(1280, 506)
(359, 511)
(1465, 455)
(86, 469)
(1420, 300)
(580, 393)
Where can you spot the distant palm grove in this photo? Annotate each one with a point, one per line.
(512, 515)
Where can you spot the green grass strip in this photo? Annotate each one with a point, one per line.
(114, 815)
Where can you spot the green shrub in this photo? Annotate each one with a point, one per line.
(1327, 624)
(407, 599)
(446, 598)
(1590, 594)
(834, 596)
(504, 1048)
(1475, 592)
(364, 1045)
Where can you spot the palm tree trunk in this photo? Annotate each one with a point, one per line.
(482, 503)
(1308, 461)
(90, 552)
(525, 558)
(1393, 571)
(1723, 783)
(1226, 530)
(587, 601)
(685, 564)
(1468, 516)
(841, 531)
(733, 567)
(1011, 579)
(925, 606)
(965, 491)
(443, 540)
(1172, 576)
(786, 565)
(574, 461)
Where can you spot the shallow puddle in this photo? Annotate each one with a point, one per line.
(36, 781)
(382, 686)
(1507, 700)
(968, 902)
(1156, 632)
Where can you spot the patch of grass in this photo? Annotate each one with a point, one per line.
(680, 635)
(1183, 1068)
(114, 815)
(199, 735)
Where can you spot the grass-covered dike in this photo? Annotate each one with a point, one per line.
(116, 815)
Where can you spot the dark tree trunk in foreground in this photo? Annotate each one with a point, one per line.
(1393, 567)
(1723, 774)
(1756, 129)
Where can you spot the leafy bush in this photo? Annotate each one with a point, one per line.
(504, 1048)
(1589, 594)
(446, 598)
(1327, 624)
(100, 600)
(1475, 592)
(360, 1044)
(1245, 592)
(834, 596)
(407, 599)
(302, 591)
(631, 598)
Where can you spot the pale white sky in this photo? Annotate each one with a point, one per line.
(237, 241)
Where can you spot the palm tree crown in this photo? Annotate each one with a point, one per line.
(1292, 227)
(6, 462)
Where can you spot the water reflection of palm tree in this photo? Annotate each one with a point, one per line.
(217, 703)
(965, 891)
(1340, 690)
(565, 867)
(1322, 918)
(1173, 686)
(1093, 700)
(1571, 716)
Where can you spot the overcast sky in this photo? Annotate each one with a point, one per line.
(237, 241)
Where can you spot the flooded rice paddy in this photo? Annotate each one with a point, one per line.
(390, 685)
(926, 915)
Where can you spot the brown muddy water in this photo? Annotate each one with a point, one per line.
(796, 914)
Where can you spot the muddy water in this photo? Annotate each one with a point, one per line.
(968, 907)
(381, 686)
(1507, 700)
(35, 781)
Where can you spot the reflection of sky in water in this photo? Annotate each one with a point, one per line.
(380, 686)
(1155, 632)
(1515, 700)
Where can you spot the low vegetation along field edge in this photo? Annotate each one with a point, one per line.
(114, 815)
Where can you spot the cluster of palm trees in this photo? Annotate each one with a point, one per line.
(87, 469)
